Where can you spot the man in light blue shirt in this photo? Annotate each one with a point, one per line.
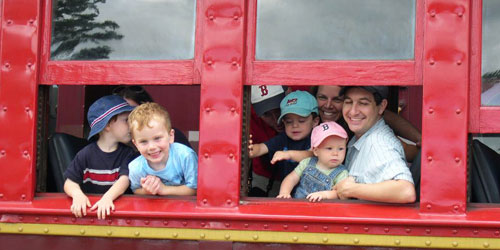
(375, 158)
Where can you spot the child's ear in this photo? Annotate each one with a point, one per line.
(316, 121)
(315, 151)
(172, 136)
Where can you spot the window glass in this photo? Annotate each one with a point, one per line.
(123, 30)
(491, 54)
(335, 29)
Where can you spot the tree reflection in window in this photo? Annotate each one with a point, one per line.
(76, 35)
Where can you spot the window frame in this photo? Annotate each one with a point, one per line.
(482, 119)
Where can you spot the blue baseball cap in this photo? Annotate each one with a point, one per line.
(298, 102)
(104, 109)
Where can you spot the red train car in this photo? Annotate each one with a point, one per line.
(197, 58)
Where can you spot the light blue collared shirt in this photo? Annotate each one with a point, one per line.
(377, 156)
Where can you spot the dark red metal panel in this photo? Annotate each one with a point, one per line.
(18, 92)
(223, 25)
(445, 106)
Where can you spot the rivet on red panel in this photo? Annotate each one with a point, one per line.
(386, 229)
(228, 202)
(408, 230)
(432, 13)
(10, 22)
(431, 110)
(23, 197)
(429, 158)
(110, 221)
(346, 229)
(165, 222)
(266, 226)
(457, 160)
(428, 231)
(458, 111)
(6, 66)
(475, 232)
(366, 229)
(184, 223)
(21, 218)
(306, 227)
(31, 22)
(325, 228)
(429, 206)
(227, 224)
(127, 221)
(459, 62)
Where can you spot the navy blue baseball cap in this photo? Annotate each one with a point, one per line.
(104, 109)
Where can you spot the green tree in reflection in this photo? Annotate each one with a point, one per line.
(489, 79)
(74, 24)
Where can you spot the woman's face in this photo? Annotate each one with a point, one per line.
(329, 103)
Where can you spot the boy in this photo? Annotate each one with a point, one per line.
(164, 167)
(299, 113)
(318, 174)
(101, 166)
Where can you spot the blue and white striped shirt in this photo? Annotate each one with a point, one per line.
(377, 156)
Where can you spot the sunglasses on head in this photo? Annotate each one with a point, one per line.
(132, 88)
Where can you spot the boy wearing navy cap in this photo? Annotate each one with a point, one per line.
(101, 166)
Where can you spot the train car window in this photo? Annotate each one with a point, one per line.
(490, 90)
(66, 128)
(335, 30)
(123, 30)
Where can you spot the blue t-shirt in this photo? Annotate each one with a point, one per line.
(282, 142)
(96, 171)
(181, 168)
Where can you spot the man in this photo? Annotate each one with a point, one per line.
(375, 157)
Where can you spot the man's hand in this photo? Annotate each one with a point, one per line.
(104, 207)
(80, 204)
(345, 187)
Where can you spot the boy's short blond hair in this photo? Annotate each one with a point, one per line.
(144, 113)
